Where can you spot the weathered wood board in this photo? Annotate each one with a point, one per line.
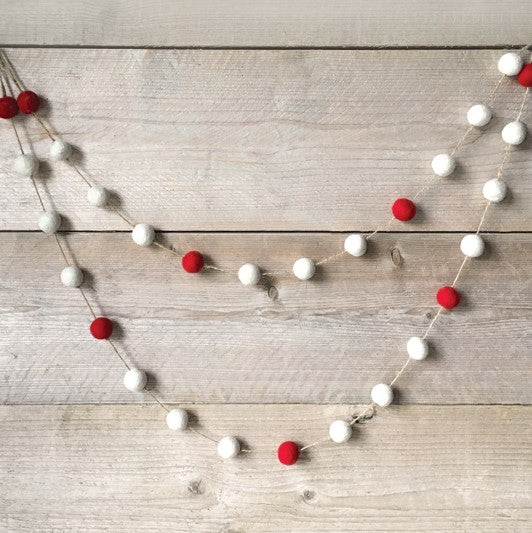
(266, 139)
(118, 468)
(207, 338)
(234, 23)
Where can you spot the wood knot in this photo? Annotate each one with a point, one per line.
(273, 293)
(397, 258)
(194, 487)
(308, 495)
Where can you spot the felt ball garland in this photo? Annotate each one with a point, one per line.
(403, 209)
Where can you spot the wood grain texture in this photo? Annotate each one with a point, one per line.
(267, 140)
(273, 23)
(207, 338)
(433, 469)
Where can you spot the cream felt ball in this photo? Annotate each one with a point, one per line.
(177, 419)
(382, 395)
(417, 348)
(510, 64)
(249, 274)
(143, 234)
(494, 190)
(514, 133)
(472, 245)
(340, 431)
(72, 276)
(356, 244)
(49, 222)
(304, 268)
(479, 115)
(228, 447)
(135, 380)
(98, 196)
(60, 150)
(443, 165)
(26, 164)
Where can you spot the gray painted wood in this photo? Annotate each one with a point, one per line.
(267, 140)
(207, 338)
(273, 23)
(118, 468)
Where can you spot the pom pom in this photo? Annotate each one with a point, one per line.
(249, 274)
(514, 133)
(510, 64)
(525, 76)
(72, 276)
(304, 268)
(101, 328)
(60, 150)
(472, 245)
(448, 297)
(443, 165)
(177, 419)
(28, 102)
(479, 115)
(135, 380)
(340, 431)
(26, 165)
(8, 107)
(98, 196)
(288, 453)
(356, 245)
(228, 447)
(143, 234)
(382, 395)
(494, 190)
(192, 262)
(49, 222)
(404, 209)
(417, 348)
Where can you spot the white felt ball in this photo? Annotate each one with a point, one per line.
(228, 447)
(479, 115)
(340, 431)
(60, 150)
(356, 244)
(382, 394)
(443, 165)
(26, 164)
(494, 190)
(177, 419)
(249, 274)
(98, 196)
(49, 221)
(417, 348)
(472, 245)
(72, 276)
(510, 64)
(143, 234)
(304, 268)
(135, 380)
(514, 133)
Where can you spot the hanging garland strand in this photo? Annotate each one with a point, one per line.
(448, 297)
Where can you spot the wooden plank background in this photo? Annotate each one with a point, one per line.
(267, 155)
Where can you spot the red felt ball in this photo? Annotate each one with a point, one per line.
(288, 453)
(192, 262)
(404, 209)
(28, 102)
(8, 107)
(101, 328)
(448, 297)
(525, 76)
